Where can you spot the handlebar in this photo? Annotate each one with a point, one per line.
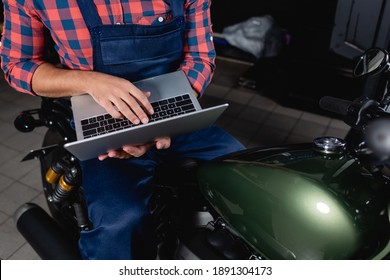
(365, 115)
(357, 113)
(335, 105)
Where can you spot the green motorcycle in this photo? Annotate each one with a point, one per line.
(329, 199)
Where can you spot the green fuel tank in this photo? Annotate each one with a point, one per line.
(301, 202)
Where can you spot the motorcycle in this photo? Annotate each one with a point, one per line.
(328, 199)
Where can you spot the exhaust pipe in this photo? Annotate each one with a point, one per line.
(44, 235)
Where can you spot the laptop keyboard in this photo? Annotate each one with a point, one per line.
(163, 109)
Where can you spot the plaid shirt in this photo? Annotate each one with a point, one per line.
(28, 22)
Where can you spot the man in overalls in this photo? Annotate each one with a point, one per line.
(103, 46)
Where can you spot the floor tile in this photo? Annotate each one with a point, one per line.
(294, 138)
(309, 128)
(14, 196)
(3, 217)
(216, 90)
(9, 113)
(254, 115)
(28, 102)
(322, 120)
(239, 96)
(336, 123)
(336, 132)
(282, 122)
(10, 239)
(24, 142)
(6, 153)
(262, 102)
(25, 252)
(5, 182)
(269, 136)
(15, 168)
(7, 130)
(33, 178)
(290, 112)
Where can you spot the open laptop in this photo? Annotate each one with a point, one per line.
(177, 111)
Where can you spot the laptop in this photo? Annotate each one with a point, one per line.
(177, 111)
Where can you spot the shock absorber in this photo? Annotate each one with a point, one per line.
(65, 177)
(54, 172)
(65, 186)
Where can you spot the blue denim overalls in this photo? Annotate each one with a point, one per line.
(118, 191)
(136, 51)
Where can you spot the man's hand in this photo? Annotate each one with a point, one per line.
(129, 151)
(119, 97)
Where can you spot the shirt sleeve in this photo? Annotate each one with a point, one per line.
(22, 44)
(199, 52)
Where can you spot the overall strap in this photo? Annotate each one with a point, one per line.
(89, 12)
(177, 7)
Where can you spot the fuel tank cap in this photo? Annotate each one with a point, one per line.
(329, 145)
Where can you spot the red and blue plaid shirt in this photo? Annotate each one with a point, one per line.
(28, 23)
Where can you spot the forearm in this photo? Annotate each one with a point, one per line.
(51, 81)
(118, 96)
(199, 52)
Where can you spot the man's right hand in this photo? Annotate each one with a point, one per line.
(119, 97)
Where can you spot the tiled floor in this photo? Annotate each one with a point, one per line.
(253, 118)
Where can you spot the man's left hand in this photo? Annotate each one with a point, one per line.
(129, 151)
